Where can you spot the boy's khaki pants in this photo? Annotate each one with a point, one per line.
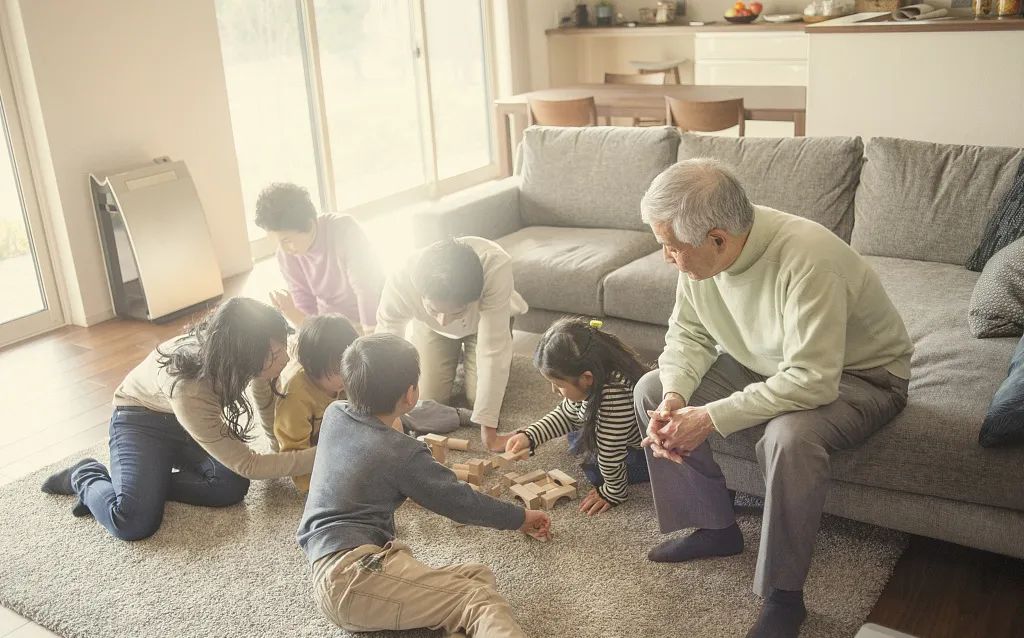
(373, 588)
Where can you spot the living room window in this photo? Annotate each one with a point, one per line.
(370, 104)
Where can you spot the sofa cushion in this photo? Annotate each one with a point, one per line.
(643, 290)
(918, 200)
(814, 177)
(562, 269)
(997, 303)
(1004, 423)
(1004, 227)
(931, 448)
(591, 177)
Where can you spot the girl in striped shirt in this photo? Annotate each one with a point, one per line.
(594, 372)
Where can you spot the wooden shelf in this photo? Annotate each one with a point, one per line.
(671, 29)
(884, 24)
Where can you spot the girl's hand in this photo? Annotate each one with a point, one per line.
(594, 503)
(537, 525)
(517, 443)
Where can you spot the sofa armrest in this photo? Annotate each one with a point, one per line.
(489, 210)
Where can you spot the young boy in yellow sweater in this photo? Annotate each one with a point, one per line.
(313, 381)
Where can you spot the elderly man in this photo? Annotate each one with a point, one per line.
(777, 322)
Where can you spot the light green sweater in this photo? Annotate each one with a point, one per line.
(798, 306)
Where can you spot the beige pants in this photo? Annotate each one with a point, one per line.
(439, 359)
(384, 588)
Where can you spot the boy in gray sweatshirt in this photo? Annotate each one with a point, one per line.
(364, 579)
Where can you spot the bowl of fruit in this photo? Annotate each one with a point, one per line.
(740, 13)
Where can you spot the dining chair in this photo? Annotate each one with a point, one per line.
(579, 112)
(705, 117)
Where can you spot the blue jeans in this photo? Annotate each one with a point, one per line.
(636, 464)
(145, 446)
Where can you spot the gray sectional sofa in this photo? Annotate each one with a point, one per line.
(570, 219)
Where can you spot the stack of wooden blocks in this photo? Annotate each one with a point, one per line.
(541, 489)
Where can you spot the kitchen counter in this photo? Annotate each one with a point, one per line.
(674, 29)
(883, 23)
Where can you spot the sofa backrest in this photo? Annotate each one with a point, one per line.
(591, 177)
(814, 177)
(925, 201)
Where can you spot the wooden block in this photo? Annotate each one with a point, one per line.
(477, 466)
(551, 498)
(533, 487)
(435, 440)
(560, 477)
(473, 480)
(530, 477)
(509, 479)
(503, 459)
(439, 452)
(461, 466)
(458, 444)
(494, 490)
(530, 500)
(462, 475)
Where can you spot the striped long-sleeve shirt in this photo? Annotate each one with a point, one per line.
(616, 433)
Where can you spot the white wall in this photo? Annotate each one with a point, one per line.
(114, 83)
(937, 87)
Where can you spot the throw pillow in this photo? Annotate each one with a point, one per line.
(1005, 226)
(1004, 423)
(997, 303)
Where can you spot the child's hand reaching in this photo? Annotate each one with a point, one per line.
(537, 525)
(517, 443)
(594, 503)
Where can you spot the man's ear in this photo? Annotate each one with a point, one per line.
(410, 395)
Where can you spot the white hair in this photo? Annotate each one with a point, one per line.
(696, 196)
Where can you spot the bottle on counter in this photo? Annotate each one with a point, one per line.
(1008, 8)
(982, 8)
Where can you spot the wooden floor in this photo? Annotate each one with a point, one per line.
(56, 393)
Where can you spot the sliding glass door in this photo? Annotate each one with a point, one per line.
(370, 104)
(30, 303)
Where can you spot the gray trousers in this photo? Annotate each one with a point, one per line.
(793, 454)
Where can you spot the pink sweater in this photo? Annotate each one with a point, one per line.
(339, 273)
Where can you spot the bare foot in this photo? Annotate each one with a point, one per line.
(493, 441)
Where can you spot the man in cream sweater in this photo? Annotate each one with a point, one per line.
(460, 296)
(777, 322)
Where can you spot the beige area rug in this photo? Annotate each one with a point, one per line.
(237, 572)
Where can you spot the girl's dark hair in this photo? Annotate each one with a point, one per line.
(321, 343)
(283, 207)
(228, 348)
(572, 346)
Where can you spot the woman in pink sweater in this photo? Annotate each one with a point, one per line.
(327, 260)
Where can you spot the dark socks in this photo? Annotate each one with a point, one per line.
(781, 616)
(60, 483)
(702, 543)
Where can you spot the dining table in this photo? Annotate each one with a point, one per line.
(766, 103)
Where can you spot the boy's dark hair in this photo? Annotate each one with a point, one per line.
(322, 341)
(377, 370)
(572, 346)
(449, 271)
(283, 207)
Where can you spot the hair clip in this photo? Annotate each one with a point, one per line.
(596, 324)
